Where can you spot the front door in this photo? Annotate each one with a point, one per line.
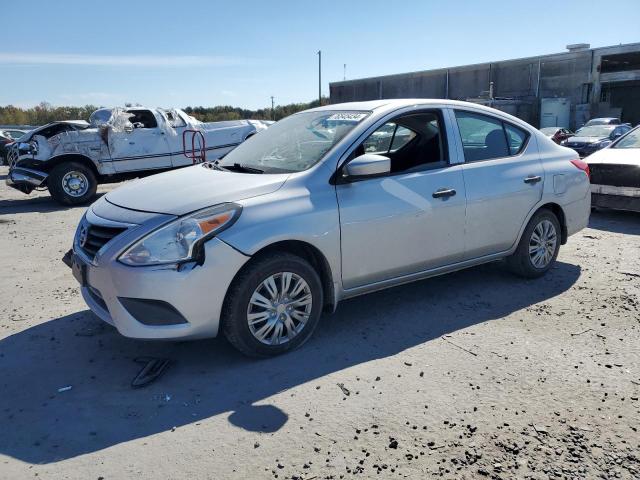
(504, 178)
(143, 148)
(411, 219)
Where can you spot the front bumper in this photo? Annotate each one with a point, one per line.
(194, 293)
(25, 179)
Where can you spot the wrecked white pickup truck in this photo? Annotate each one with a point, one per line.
(72, 158)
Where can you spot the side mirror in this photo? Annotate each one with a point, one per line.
(367, 165)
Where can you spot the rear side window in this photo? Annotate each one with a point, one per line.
(516, 138)
(485, 138)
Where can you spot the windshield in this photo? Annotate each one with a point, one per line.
(293, 144)
(631, 140)
(600, 121)
(595, 131)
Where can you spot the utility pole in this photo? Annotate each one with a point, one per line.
(319, 77)
(273, 112)
(344, 72)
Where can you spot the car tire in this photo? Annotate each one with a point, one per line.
(538, 247)
(238, 311)
(72, 183)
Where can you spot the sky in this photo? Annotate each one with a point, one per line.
(206, 53)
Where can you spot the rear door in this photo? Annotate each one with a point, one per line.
(503, 178)
(411, 219)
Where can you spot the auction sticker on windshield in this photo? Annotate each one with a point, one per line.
(346, 116)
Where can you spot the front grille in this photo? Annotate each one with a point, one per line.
(12, 155)
(96, 237)
(615, 175)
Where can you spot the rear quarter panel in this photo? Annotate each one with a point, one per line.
(565, 184)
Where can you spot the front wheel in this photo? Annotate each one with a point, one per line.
(273, 305)
(72, 183)
(538, 247)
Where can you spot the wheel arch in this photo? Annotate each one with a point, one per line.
(72, 157)
(559, 213)
(309, 253)
(557, 210)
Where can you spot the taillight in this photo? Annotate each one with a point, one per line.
(584, 166)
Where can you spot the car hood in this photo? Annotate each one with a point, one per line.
(182, 191)
(585, 139)
(616, 156)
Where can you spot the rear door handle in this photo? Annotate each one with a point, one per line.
(533, 179)
(443, 193)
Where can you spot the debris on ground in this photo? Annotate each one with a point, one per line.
(152, 370)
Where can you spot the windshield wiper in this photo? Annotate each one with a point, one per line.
(237, 167)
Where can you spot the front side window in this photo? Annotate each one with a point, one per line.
(632, 140)
(412, 141)
(142, 119)
(391, 137)
(485, 138)
(295, 143)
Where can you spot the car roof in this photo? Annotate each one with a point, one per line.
(390, 105)
(397, 103)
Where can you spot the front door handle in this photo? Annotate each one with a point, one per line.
(443, 193)
(533, 179)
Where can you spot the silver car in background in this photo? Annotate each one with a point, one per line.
(326, 204)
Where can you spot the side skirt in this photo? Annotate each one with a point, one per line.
(393, 282)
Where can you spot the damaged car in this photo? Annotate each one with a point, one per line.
(590, 139)
(72, 158)
(326, 204)
(615, 174)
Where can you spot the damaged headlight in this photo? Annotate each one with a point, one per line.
(181, 240)
(28, 147)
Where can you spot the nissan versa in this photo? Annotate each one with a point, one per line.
(324, 205)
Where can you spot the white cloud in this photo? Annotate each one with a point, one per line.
(163, 61)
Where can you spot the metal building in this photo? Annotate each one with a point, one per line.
(562, 89)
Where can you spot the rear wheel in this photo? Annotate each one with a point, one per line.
(538, 247)
(273, 305)
(72, 183)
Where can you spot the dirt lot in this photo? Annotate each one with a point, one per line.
(472, 375)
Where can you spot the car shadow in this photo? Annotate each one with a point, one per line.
(616, 221)
(37, 204)
(209, 378)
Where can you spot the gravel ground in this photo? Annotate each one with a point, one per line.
(476, 374)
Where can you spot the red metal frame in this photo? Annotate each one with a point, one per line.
(199, 154)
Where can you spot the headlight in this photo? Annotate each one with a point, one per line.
(182, 239)
(602, 144)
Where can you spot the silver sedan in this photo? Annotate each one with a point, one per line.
(326, 204)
